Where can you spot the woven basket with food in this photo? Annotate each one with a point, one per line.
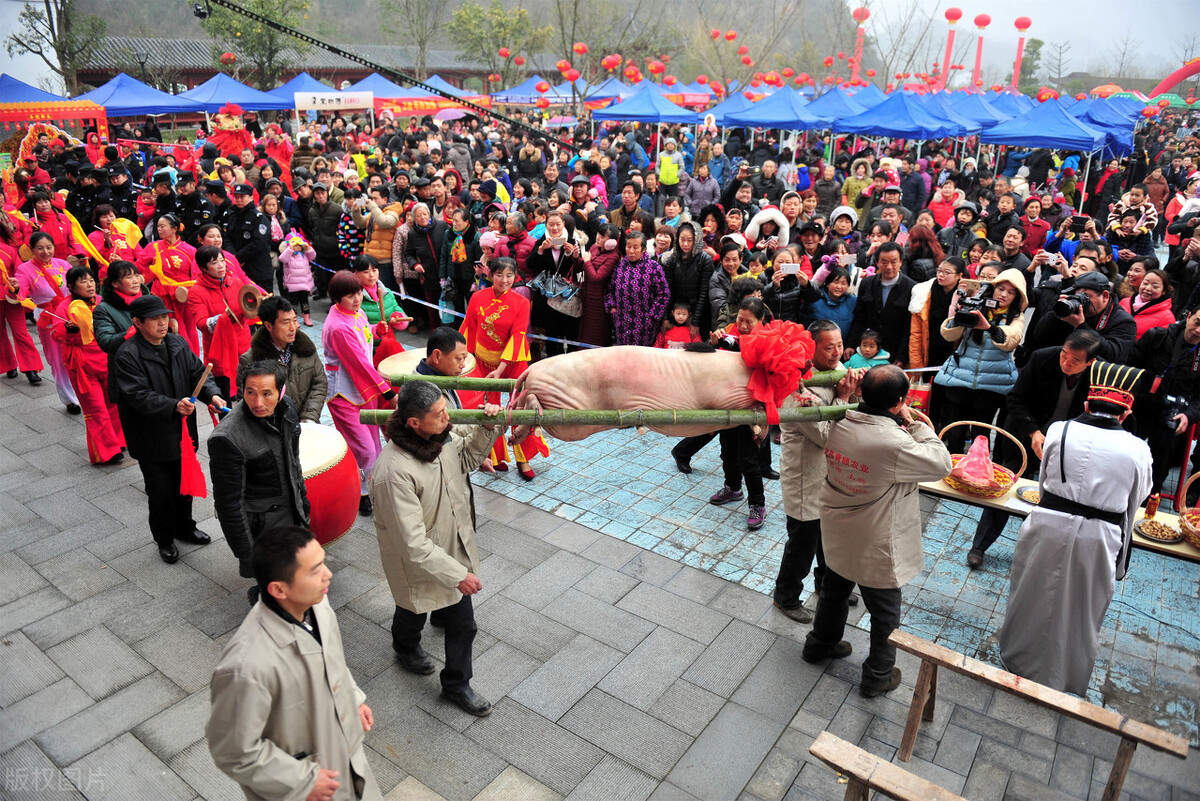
(974, 472)
(1189, 519)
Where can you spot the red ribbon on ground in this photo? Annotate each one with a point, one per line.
(779, 354)
(191, 475)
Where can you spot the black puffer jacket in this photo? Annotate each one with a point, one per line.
(323, 224)
(689, 276)
(788, 298)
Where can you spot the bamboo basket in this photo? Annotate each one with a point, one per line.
(1190, 532)
(1002, 475)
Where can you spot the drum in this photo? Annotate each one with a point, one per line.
(330, 479)
(406, 363)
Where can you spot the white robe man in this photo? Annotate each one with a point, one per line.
(1075, 545)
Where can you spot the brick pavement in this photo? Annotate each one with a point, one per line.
(617, 672)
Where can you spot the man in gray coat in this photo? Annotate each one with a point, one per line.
(871, 520)
(280, 339)
(426, 529)
(287, 718)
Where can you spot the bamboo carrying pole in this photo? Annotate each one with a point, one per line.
(629, 418)
(826, 378)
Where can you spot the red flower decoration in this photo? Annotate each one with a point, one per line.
(779, 355)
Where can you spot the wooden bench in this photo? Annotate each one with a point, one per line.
(868, 772)
(934, 656)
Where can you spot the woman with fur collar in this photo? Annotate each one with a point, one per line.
(766, 224)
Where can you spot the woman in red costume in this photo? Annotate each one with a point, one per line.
(217, 312)
(57, 225)
(116, 240)
(210, 234)
(40, 286)
(87, 365)
(169, 265)
(495, 328)
(12, 317)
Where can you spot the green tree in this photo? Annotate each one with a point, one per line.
(415, 21)
(59, 35)
(480, 33)
(264, 53)
(1031, 65)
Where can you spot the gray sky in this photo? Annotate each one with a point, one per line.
(1092, 26)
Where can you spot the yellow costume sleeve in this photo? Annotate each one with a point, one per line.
(517, 349)
(82, 239)
(81, 314)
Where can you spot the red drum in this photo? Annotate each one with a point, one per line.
(330, 479)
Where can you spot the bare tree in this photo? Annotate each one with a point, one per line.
(1188, 47)
(764, 40)
(59, 35)
(1058, 57)
(418, 22)
(908, 45)
(1126, 56)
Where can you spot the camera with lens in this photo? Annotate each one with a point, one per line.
(1173, 405)
(971, 300)
(1071, 304)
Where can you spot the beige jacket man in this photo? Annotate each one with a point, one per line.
(284, 706)
(802, 461)
(424, 522)
(870, 510)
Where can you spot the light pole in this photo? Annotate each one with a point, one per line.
(142, 57)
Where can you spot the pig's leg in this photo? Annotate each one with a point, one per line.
(526, 400)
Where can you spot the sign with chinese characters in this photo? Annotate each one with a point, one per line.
(333, 100)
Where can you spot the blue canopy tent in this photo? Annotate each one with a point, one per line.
(784, 110)
(834, 105)
(301, 83)
(646, 106)
(381, 87)
(901, 115)
(976, 109)
(1130, 107)
(1006, 104)
(869, 95)
(1047, 125)
(735, 102)
(15, 91)
(523, 94)
(438, 82)
(1117, 127)
(611, 87)
(939, 105)
(127, 97)
(221, 89)
(697, 87)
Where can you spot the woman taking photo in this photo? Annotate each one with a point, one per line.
(835, 301)
(557, 255)
(87, 366)
(496, 325)
(40, 283)
(354, 383)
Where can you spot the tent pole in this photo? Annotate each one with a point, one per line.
(1086, 174)
(919, 149)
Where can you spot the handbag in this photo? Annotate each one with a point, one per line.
(561, 294)
(446, 303)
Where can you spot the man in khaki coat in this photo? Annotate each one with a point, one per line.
(871, 520)
(802, 474)
(425, 525)
(287, 719)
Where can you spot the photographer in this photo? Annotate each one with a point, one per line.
(1089, 303)
(987, 326)
(1169, 401)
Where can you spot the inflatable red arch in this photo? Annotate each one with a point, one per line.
(1189, 68)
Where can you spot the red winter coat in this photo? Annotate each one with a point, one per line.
(518, 247)
(1156, 314)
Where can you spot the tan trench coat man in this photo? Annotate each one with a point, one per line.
(426, 530)
(802, 475)
(287, 719)
(871, 520)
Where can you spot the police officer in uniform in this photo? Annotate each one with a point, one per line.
(218, 196)
(248, 235)
(124, 193)
(195, 209)
(88, 194)
(165, 201)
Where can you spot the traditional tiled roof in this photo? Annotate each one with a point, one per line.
(190, 54)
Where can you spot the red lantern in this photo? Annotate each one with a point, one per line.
(1023, 23)
(748, 95)
(717, 88)
(562, 65)
(666, 59)
(630, 71)
(1081, 96)
(982, 21)
(830, 79)
(715, 34)
(1190, 101)
(890, 87)
(580, 49)
(841, 55)
(828, 61)
(899, 76)
(494, 77)
(702, 78)
(979, 82)
(758, 76)
(846, 84)
(656, 67)
(543, 103)
(542, 87)
(799, 81)
(571, 75)
(953, 15)
(804, 77)
(749, 62)
(870, 73)
(1164, 103)
(997, 87)
(860, 15)
(756, 83)
(730, 35)
(228, 58)
(788, 72)
(670, 80)
(771, 77)
(1046, 93)
(503, 52)
(1149, 111)
(519, 61)
(743, 50)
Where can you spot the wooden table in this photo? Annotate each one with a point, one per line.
(1010, 503)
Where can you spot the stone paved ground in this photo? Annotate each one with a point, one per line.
(617, 671)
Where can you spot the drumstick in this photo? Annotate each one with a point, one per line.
(200, 385)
